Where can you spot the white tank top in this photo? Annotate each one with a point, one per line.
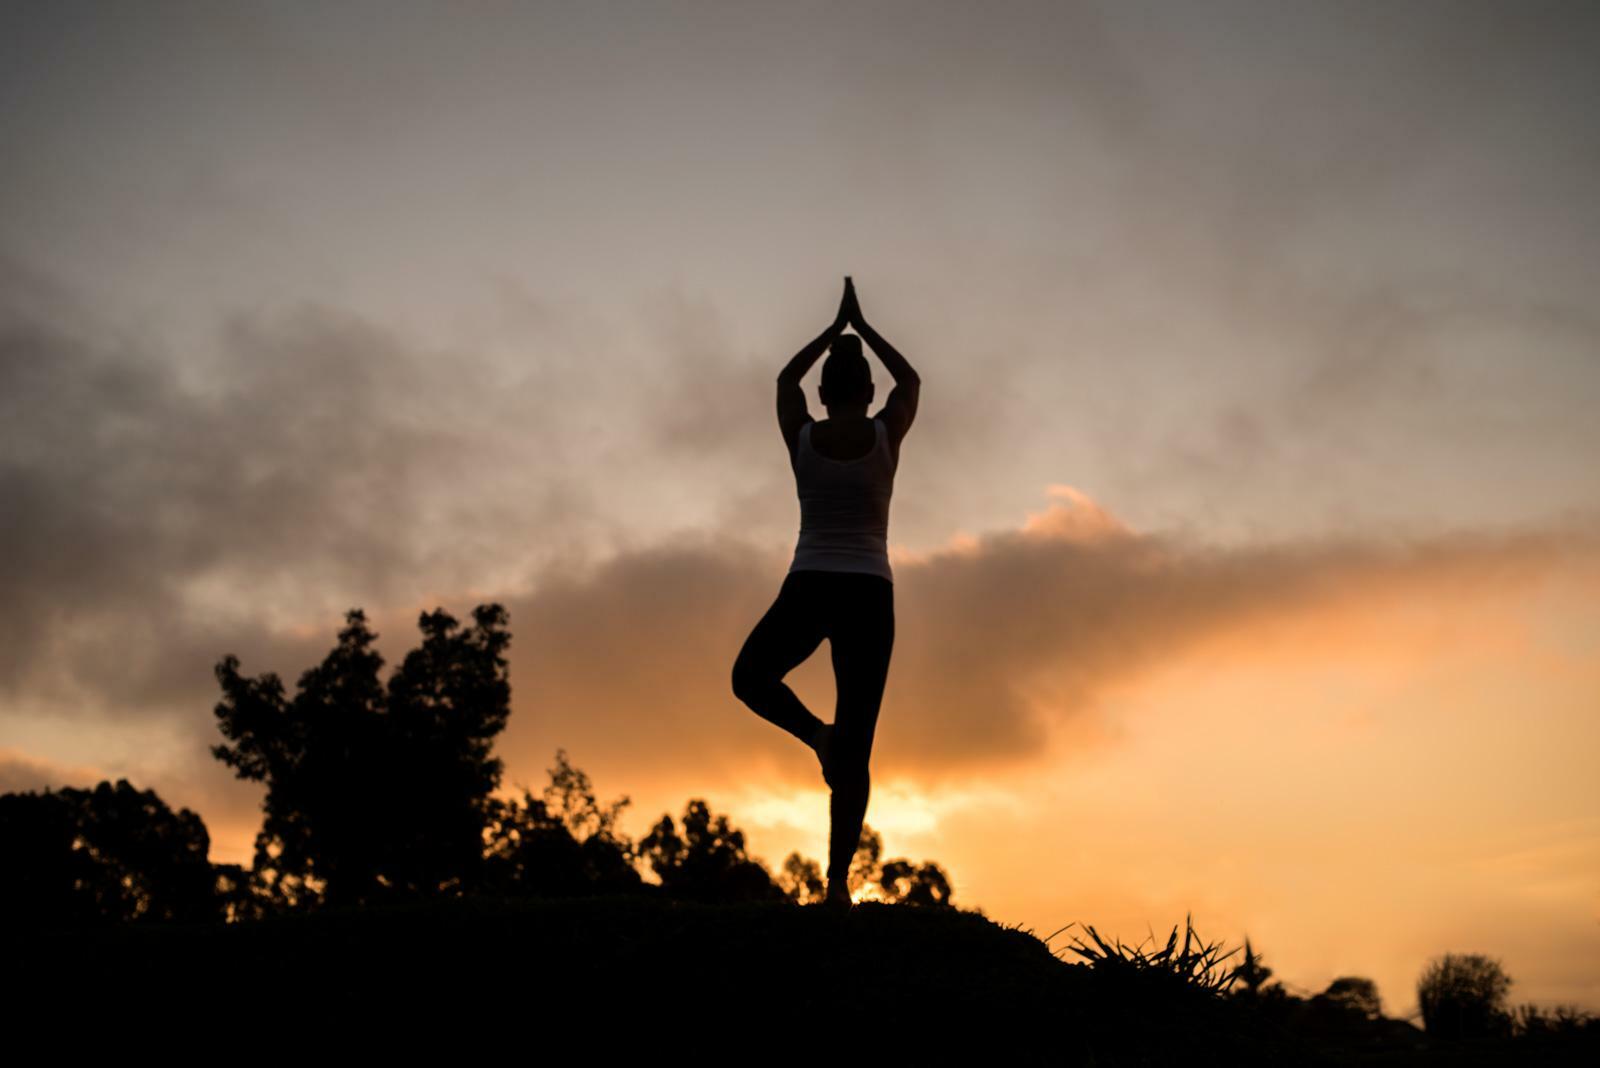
(844, 507)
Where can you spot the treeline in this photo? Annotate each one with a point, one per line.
(1461, 998)
(384, 791)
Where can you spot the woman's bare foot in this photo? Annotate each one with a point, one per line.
(821, 745)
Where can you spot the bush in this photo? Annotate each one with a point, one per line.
(1463, 996)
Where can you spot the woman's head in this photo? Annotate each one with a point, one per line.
(846, 378)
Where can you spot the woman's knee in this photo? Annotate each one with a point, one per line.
(748, 680)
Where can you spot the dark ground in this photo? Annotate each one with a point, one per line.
(901, 978)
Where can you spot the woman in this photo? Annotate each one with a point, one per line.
(839, 585)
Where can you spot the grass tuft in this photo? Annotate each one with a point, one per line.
(1199, 967)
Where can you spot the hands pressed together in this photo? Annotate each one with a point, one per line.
(905, 376)
(849, 308)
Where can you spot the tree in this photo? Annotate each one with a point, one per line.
(905, 883)
(708, 862)
(1463, 996)
(864, 863)
(801, 879)
(373, 794)
(570, 796)
(565, 844)
(111, 854)
(242, 893)
(894, 882)
(447, 702)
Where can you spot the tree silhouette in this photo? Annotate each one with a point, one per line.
(109, 854)
(243, 894)
(1463, 996)
(570, 796)
(708, 862)
(564, 844)
(801, 879)
(373, 794)
(1355, 994)
(864, 864)
(905, 883)
(893, 882)
(447, 701)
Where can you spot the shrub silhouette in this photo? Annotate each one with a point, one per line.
(1463, 996)
(1199, 968)
(111, 854)
(1252, 976)
(1352, 994)
(1561, 1021)
(373, 793)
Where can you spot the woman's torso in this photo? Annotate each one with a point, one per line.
(845, 489)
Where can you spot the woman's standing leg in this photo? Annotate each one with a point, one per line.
(790, 631)
(862, 636)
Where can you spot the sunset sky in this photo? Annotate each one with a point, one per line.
(1246, 544)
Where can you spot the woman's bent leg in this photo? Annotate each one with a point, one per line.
(789, 632)
(863, 639)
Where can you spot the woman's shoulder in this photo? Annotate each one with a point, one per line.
(801, 436)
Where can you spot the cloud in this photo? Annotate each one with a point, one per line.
(317, 463)
(23, 773)
(164, 507)
(132, 497)
(230, 809)
(167, 508)
(1339, 233)
(1004, 639)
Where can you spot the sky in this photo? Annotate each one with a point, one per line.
(1246, 544)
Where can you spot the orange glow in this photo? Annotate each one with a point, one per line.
(1080, 519)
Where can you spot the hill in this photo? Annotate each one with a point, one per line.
(898, 972)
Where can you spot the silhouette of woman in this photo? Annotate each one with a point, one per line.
(839, 585)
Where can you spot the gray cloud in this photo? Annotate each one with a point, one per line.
(126, 490)
(162, 506)
(1202, 247)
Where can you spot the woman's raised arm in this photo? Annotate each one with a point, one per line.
(897, 364)
(792, 410)
(900, 410)
(801, 362)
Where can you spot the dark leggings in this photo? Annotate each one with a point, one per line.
(855, 612)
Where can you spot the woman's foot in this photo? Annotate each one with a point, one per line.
(821, 742)
(838, 900)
